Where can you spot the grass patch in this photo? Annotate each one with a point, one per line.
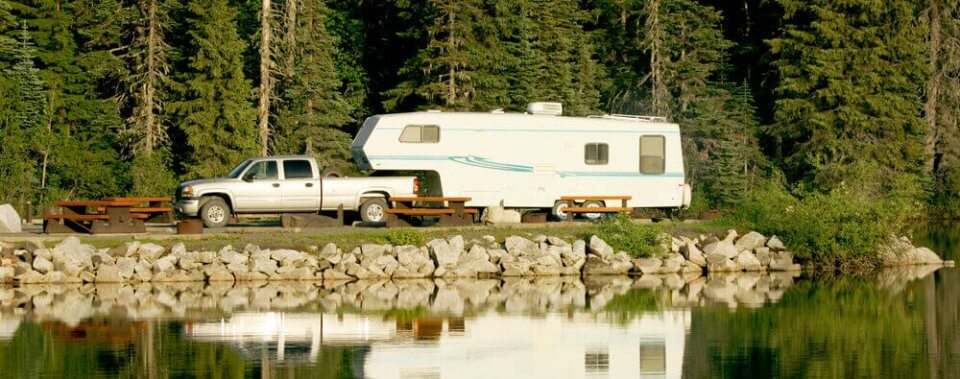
(638, 240)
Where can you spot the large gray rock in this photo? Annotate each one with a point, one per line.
(42, 265)
(693, 254)
(230, 256)
(265, 265)
(165, 264)
(518, 246)
(70, 250)
(443, 254)
(125, 250)
(497, 215)
(600, 248)
(648, 265)
(775, 244)
(751, 241)
(288, 257)
(599, 266)
(108, 274)
(331, 254)
(746, 261)
(151, 252)
(725, 248)
(127, 267)
(9, 220)
(7, 274)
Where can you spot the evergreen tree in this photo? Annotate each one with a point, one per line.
(848, 99)
(24, 103)
(313, 108)
(215, 116)
(942, 109)
(149, 85)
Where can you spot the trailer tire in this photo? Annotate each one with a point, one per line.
(215, 213)
(557, 212)
(593, 216)
(373, 210)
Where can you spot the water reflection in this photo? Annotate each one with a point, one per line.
(653, 326)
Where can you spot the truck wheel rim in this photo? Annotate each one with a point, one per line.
(215, 214)
(375, 212)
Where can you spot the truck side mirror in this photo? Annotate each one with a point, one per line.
(248, 177)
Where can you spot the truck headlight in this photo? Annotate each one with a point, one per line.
(186, 192)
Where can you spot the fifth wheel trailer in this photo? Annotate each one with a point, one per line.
(531, 160)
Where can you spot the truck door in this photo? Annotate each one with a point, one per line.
(300, 190)
(259, 191)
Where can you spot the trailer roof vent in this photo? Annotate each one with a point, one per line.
(544, 108)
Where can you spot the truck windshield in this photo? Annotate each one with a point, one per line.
(235, 173)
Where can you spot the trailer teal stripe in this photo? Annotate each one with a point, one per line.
(487, 164)
(586, 131)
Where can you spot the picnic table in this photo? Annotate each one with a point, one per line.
(572, 209)
(111, 215)
(451, 211)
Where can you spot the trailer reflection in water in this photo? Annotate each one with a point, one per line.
(489, 344)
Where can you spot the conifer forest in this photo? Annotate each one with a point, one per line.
(791, 97)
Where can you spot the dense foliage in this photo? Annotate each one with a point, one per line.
(638, 240)
(102, 98)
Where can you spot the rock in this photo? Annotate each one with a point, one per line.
(600, 247)
(516, 267)
(443, 254)
(775, 244)
(516, 245)
(497, 215)
(124, 250)
(229, 256)
(266, 266)
(335, 275)
(720, 263)
(127, 267)
(72, 251)
(165, 264)
(9, 220)
(672, 264)
(731, 235)
(331, 254)
(7, 274)
(751, 241)
(87, 277)
(693, 254)
(108, 274)
(31, 277)
(371, 251)
(647, 265)
(599, 266)
(557, 241)
(925, 256)
(746, 261)
(150, 252)
(42, 265)
(763, 255)
(783, 265)
(33, 244)
(288, 257)
(725, 247)
(456, 243)
(251, 249)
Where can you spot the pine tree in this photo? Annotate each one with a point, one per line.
(25, 106)
(942, 109)
(848, 98)
(215, 115)
(312, 108)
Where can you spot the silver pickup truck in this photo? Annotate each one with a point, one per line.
(287, 184)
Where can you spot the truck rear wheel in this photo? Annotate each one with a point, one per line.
(374, 210)
(215, 213)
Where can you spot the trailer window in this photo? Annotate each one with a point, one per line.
(652, 155)
(596, 153)
(298, 169)
(420, 134)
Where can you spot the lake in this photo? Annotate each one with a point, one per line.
(895, 323)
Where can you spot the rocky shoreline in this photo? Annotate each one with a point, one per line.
(71, 261)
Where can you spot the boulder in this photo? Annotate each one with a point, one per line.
(127, 267)
(33, 244)
(108, 274)
(672, 264)
(265, 265)
(229, 256)
(72, 251)
(693, 254)
(746, 261)
(42, 265)
(165, 264)
(783, 265)
(925, 256)
(125, 250)
(647, 265)
(599, 266)
(288, 257)
(497, 215)
(219, 274)
(751, 241)
(443, 254)
(518, 246)
(600, 248)
(9, 220)
(557, 241)
(150, 252)
(775, 244)
(7, 274)
(763, 255)
(720, 263)
(331, 254)
(725, 248)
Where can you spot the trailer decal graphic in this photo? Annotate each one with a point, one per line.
(488, 164)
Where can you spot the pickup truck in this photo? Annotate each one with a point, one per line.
(287, 184)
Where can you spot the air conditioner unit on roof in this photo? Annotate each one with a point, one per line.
(544, 108)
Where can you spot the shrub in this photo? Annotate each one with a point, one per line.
(832, 228)
(638, 240)
(401, 237)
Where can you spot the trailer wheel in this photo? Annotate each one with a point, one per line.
(557, 212)
(215, 213)
(374, 210)
(593, 216)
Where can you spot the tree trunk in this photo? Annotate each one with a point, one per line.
(452, 80)
(266, 62)
(659, 93)
(149, 86)
(933, 86)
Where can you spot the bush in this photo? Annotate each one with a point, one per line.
(638, 240)
(832, 228)
(401, 237)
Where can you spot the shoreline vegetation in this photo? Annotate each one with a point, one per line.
(616, 247)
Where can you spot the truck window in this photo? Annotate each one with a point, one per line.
(297, 169)
(596, 153)
(235, 173)
(420, 134)
(263, 170)
(652, 155)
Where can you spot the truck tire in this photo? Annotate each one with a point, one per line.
(331, 172)
(373, 210)
(215, 213)
(557, 212)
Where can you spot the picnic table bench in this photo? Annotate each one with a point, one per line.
(572, 209)
(451, 211)
(112, 215)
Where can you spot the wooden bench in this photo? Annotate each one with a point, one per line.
(573, 209)
(451, 211)
(95, 217)
(159, 209)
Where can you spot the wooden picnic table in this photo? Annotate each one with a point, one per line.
(113, 215)
(451, 211)
(572, 209)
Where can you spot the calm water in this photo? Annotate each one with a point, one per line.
(892, 324)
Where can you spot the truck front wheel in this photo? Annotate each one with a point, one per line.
(374, 210)
(215, 213)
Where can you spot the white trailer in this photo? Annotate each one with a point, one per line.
(531, 160)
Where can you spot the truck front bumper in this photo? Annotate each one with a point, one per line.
(188, 207)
